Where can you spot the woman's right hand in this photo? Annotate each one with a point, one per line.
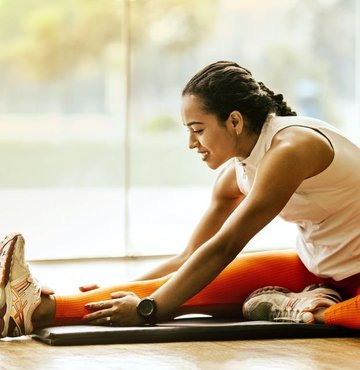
(87, 288)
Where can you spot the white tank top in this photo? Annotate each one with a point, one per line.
(325, 207)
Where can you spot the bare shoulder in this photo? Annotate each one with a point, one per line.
(304, 146)
(226, 186)
(300, 135)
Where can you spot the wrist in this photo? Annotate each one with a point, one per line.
(147, 310)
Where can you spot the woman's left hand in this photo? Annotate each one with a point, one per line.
(119, 311)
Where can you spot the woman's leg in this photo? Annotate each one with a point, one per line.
(223, 295)
(346, 313)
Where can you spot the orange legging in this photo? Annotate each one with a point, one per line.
(237, 281)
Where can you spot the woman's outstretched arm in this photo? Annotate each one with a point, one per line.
(291, 159)
(295, 154)
(226, 196)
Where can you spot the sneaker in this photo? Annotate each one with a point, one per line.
(19, 291)
(280, 304)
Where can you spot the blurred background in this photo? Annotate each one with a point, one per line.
(93, 155)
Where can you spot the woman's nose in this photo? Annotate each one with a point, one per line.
(192, 142)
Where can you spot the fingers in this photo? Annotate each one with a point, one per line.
(121, 311)
(45, 290)
(121, 294)
(99, 317)
(100, 312)
(96, 319)
(96, 306)
(102, 321)
(87, 288)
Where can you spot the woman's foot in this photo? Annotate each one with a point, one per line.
(281, 305)
(20, 293)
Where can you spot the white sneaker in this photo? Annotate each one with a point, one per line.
(280, 304)
(19, 291)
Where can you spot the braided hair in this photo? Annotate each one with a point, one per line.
(225, 86)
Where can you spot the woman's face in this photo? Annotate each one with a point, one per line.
(215, 142)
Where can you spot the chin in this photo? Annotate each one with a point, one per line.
(213, 166)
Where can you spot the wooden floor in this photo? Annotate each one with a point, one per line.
(305, 354)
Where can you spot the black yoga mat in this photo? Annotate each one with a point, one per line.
(186, 330)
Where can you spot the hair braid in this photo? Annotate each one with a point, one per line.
(282, 109)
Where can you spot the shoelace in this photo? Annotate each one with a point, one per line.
(291, 312)
(287, 315)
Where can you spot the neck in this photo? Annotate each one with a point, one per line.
(246, 143)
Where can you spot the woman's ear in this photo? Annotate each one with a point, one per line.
(236, 121)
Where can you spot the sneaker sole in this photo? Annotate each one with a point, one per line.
(7, 248)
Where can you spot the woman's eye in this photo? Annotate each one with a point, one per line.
(198, 131)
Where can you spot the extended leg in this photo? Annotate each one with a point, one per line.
(222, 296)
(346, 313)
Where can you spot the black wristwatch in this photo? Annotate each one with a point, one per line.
(146, 309)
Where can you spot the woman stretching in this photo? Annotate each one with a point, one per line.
(277, 163)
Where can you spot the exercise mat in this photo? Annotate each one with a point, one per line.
(200, 329)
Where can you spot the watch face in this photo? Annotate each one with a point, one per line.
(146, 307)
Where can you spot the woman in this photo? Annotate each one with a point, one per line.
(277, 164)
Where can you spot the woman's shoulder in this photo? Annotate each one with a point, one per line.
(277, 123)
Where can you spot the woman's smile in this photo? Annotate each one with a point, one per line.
(204, 155)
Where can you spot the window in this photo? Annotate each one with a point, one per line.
(93, 153)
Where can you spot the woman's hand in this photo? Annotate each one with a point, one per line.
(119, 311)
(45, 290)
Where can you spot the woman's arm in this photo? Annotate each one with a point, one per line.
(226, 196)
(291, 159)
(295, 154)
